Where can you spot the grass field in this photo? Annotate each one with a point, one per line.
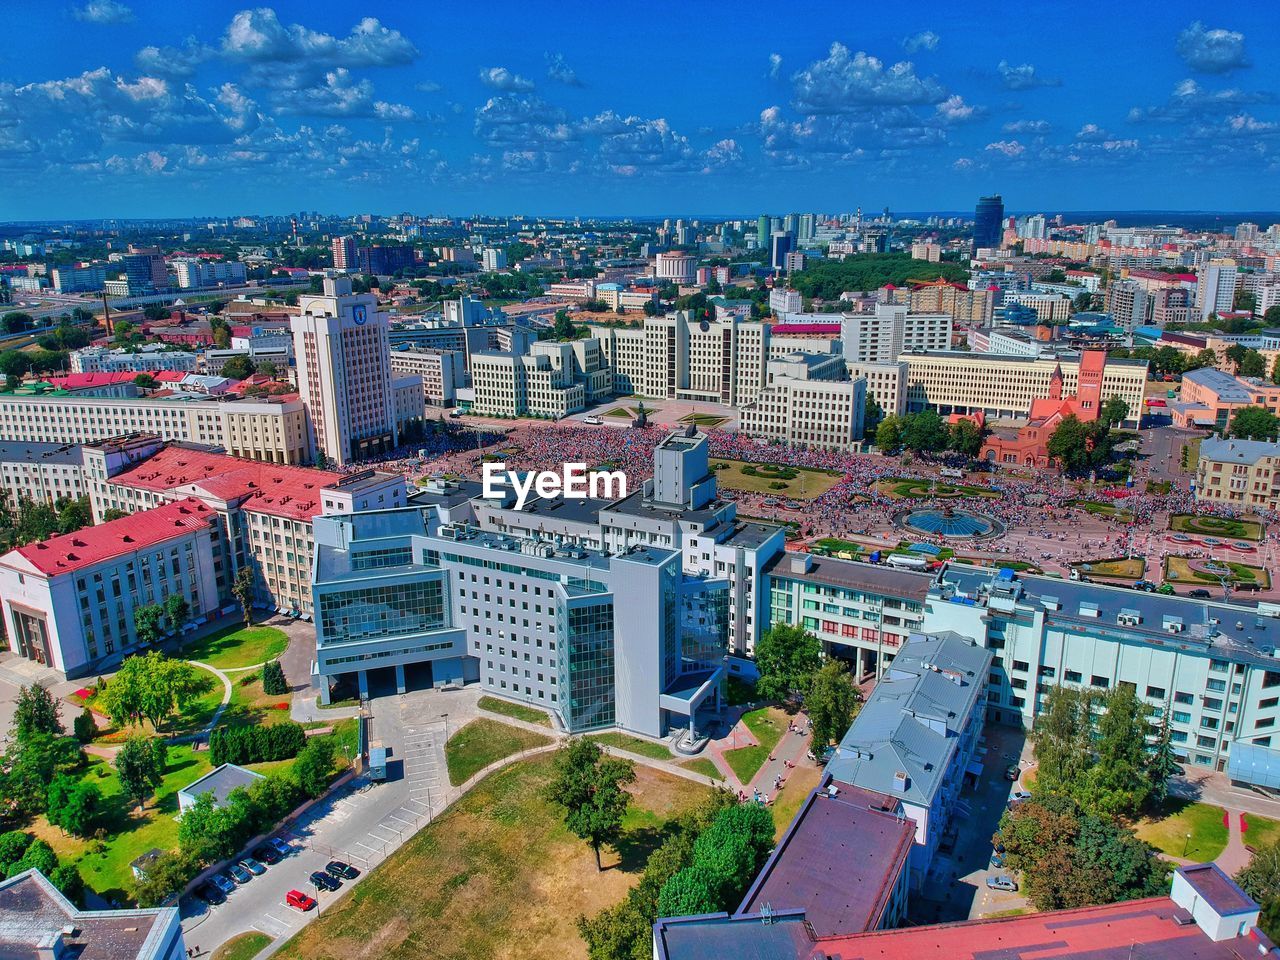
(624, 741)
(244, 946)
(237, 647)
(806, 485)
(703, 766)
(1169, 833)
(768, 725)
(1101, 509)
(622, 412)
(1125, 568)
(787, 801)
(703, 419)
(1261, 831)
(837, 547)
(912, 489)
(1179, 570)
(515, 710)
(496, 876)
(1227, 528)
(484, 741)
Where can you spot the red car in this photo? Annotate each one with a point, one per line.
(299, 900)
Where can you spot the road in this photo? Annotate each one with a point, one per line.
(361, 825)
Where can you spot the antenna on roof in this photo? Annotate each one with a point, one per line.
(766, 914)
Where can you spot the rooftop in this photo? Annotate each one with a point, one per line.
(1227, 387)
(1237, 451)
(220, 781)
(852, 575)
(903, 739)
(33, 914)
(16, 451)
(838, 861)
(92, 545)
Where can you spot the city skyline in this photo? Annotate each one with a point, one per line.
(289, 106)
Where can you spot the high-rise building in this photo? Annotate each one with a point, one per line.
(782, 243)
(144, 270)
(493, 259)
(1216, 287)
(344, 253)
(344, 372)
(762, 231)
(384, 260)
(807, 228)
(1127, 302)
(987, 218)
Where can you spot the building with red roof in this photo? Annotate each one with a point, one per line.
(70, 600)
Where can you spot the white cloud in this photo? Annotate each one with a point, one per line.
(259, 36)
(428, 86)
(558, 69)
(955, 110)
(103, 11)
(500, 78)
(924, 40)
(845, 83)
(1211, 51)
(1010, 148)
(339, 95)
(775, 65)
(1023, 77)
(1027, 126)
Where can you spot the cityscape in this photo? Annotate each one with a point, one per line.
(468, 490)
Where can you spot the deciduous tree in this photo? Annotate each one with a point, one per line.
(787, 657)
(589, 786)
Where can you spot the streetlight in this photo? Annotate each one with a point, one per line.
(1185, 844)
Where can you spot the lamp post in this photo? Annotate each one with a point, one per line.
(1186, 843)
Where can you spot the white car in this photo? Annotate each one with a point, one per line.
(594, 421)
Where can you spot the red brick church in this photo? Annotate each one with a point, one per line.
(1028, 447)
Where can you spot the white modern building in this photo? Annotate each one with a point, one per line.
(1216, 287)
(880, 337)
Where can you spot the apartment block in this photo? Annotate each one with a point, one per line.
(809, 401)
(1240, 473)
(40, 472)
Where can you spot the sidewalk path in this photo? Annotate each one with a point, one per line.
(1235, 857)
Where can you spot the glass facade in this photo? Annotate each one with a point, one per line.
(377, 559)
(704, 629)
(586, 666)
(368, 613)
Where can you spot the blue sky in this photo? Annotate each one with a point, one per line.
(141, 108)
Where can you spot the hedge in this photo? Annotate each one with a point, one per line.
(256, 744)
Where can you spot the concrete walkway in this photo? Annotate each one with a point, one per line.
(1235, 857)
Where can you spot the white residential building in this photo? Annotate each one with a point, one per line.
(892, 330)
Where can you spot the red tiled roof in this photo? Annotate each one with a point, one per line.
(92, 545)
(79, 381)
(283, 491)
(1134, 928)
(171, 376)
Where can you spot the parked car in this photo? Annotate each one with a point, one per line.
(239, 874)
(1012, 772)
(324, 881)
(267, 853)
(1200, 593)
(997, 860)
(279, 846)
(224, 883)
(1002, 882)
(253, 866)
(299, 900)
(343, 871)
(210, 894)
(1019, 796)
(594, 421)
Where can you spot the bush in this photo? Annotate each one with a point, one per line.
(273, 682)
(84, 726)
(256, 744)
(777, 485)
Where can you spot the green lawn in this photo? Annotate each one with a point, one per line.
(1125, 568)
(768, 725)
(515, 710)
(836, 546)
(1261, 831)
(1179, 570)
(624, 741)
(1169, 833)
(703, 766)
(806, 485)
(484, 741)
(496, 875)
(1227, 528)
(244, 946)
(237, 647)
(915, 489)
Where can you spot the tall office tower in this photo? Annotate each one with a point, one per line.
(344, 253)
(782, 243)
(344, 372)
(1128, 303)
(1035, 227)
(808, 227)
(987, 218)
(145, 270)
(1216, 288)
(762, 231)
(1247, 232)
(790, 223)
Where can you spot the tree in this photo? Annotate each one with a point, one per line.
(589, 786)
(964, 436)
(831, 703)
(889, 434)
(152, 688)
(29, 766)
(924, 432)
(1061, 739)
(166, 875)
(242, 586)
(238, 368)
(1114, 411)
(176, 611)
(36, 710)
(726, 856)
(1117, 784)
(1080, 446)
(73, 804)
(273, 680)
(16, 321)
(787, 657)
(871, 417)
(146, 622)
(1275, 370)
(1082, 302)
(146, 381)
(1254, 423)
(1260, 879)
(84, 726)
(140, 765)
(267, 368)
(1163, 765)
(74, 514)
(314, 764)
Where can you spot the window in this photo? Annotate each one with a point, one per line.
(1181, 716)
(1209, 723)
(1073, 676)
(1098, 681)
(1180, 697)
(1217, 686)
(1048, 672)
(1020, 665)
(1212, 703)
(1155, 693)
(1268, 703)
(1264, 722)
(1207, 742)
